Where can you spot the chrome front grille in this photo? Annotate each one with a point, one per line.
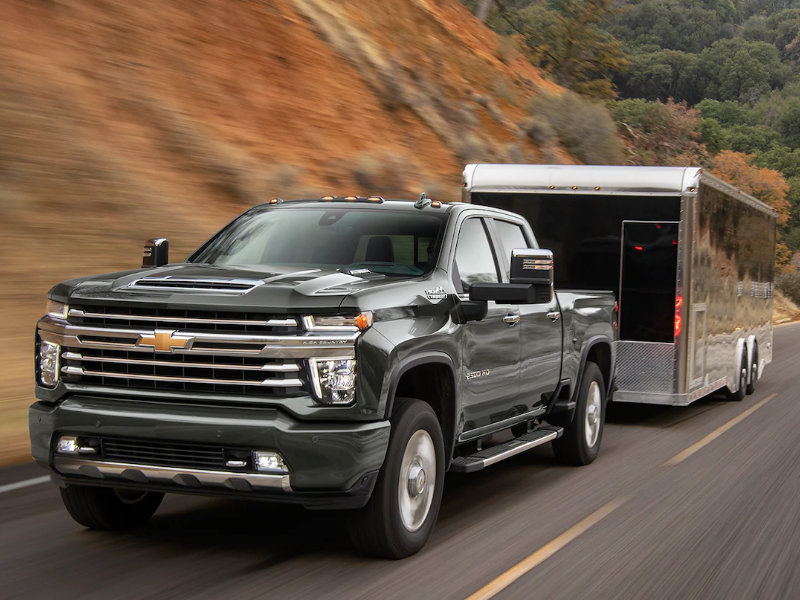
(194, 352)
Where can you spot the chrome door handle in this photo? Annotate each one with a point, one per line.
(554, 316)
(511, 320)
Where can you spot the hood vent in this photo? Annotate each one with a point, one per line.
(191, 284)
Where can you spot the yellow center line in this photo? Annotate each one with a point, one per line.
(542, 554)
(681, 456)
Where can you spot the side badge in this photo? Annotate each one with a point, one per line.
(435, 295)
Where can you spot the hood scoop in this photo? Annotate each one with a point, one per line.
(196, 284)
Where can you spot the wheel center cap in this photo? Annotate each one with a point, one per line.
(416, 480)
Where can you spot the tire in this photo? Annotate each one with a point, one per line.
(399, 517)
(753, 375)
(739, 394)
(109, 508)
(580, 443)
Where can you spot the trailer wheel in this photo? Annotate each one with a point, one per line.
(751, 385)
(110, 508)
(739, 394)
(399, 517)
(580, 443)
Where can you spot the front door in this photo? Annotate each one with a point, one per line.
(491, 347)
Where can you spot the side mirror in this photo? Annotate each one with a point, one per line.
(532, 265)
(156, 253)
(474, 310)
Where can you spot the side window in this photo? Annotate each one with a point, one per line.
(510, 236)
(474, 257)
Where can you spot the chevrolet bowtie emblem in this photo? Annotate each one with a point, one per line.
(163, 340)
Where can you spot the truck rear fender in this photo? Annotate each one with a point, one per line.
(429, 377)
(598, 350)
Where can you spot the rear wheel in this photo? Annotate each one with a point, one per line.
(751, 385)
(399, 517)
(740, 392)
(580, 443)
(109, 508)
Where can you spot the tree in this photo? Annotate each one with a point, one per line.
(659, 133)
(566, 40)
(767, 185)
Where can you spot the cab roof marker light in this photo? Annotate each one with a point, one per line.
(276, 201)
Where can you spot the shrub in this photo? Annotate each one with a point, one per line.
(584, 127)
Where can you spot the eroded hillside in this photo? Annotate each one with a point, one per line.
(121, 121)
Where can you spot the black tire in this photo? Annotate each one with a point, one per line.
(580, 443)
(739, 394)
(753, 375)
(379, 529)
(108, 508)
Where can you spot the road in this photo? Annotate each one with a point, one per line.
(695, 502)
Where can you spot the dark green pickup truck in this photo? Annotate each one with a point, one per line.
(336, 353)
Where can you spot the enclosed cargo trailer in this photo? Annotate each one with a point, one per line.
(689, 257)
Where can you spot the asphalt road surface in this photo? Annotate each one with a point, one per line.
(695, 502)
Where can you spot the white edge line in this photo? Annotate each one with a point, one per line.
(23, 484)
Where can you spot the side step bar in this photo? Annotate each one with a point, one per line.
(490, 456)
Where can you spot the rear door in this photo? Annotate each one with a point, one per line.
(540, 326)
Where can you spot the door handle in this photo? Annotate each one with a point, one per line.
(511, 320)
(554, 316)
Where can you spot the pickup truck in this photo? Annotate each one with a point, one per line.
(337, 353)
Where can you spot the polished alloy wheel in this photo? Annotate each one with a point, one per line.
(594, 406)
(417, 480)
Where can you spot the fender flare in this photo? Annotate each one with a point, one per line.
(591, 343)
(409, 363)
(416, 360)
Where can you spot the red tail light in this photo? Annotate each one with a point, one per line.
(678, 320)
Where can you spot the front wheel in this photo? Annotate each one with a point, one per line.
(109, 508)
(399, 517)
(580, 443)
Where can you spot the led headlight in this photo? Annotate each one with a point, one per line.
(334, 379)
(56, 310)
(48, 363)
(338, 323)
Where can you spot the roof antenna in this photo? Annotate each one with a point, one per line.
(422, 201)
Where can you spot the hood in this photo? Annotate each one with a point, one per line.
(279, 289)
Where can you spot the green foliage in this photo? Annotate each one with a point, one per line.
(565, 38)
(583, 126)
(789, 125)
(735, 69)
(659, 133)
(727, 113)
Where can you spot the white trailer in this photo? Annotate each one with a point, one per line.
(689, 257)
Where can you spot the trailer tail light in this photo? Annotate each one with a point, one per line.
(678, 319)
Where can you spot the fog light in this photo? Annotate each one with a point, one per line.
(269, 462)
(67, 444)
(334, 380)
(48, 363)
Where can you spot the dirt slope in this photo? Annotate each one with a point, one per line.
(122, 120)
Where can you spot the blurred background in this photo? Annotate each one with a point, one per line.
(121, 121)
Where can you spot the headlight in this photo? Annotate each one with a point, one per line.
(48, 363)
(56, 310)
(338, 323)
(334, 379)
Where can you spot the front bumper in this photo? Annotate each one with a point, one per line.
(330, 464)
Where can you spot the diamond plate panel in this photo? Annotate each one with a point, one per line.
(646, 367)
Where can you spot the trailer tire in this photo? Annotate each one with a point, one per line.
(109, 508)
(399, 517)
(739, 394)
(751, 384)
(580, 443)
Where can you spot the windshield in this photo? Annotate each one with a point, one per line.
(392, 242)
